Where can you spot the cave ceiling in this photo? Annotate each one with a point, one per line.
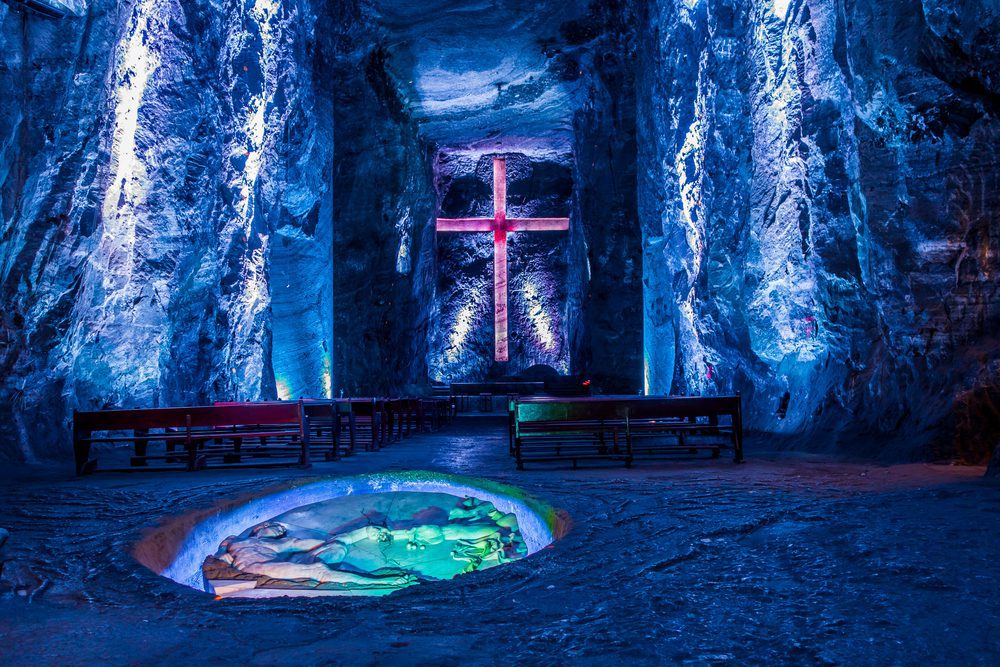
(484, 75)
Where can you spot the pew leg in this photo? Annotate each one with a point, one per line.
(141, 447)
(81, 452)
(304, 460)
(236, 455)
(336, 435)
(171, 449)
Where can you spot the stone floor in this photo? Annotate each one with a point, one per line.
(787, 559)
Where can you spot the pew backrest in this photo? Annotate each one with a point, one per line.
(205, 416)
(539, 412)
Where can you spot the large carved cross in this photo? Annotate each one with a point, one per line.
(500, 225)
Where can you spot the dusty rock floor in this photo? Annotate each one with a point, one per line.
(785, 560)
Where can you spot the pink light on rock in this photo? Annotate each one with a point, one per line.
(501, 225)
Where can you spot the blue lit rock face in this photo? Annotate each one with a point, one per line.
(163, 167)
(818, 212)
(383, 232)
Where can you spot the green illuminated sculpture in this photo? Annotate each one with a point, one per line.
(407, 538)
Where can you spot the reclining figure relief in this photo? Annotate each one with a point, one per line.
(402, 552)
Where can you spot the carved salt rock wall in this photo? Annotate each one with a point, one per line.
(807, 311)
(607, 254)
(276, 183)
(382, 221)
(817, 213)
(993, 469)
(53, 102)
(117, 347)
(929, 135)
(147, 146)
(75, 7)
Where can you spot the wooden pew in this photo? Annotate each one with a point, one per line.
(426, 421)
(655, 427)
(434, 413)
(384, 436)
(412, 416)
(326, 421)
(400, 415)
(556, 430)
(368, 421)
(448, 408)
(462, 391)
(345, 422)
(193, 436)
(668, 426)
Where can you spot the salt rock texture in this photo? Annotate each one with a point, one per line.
(993, 470)
(383, 236)
(162, 164)
(794, 199)
(819, 212)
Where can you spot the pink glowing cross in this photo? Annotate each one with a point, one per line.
(500, 225)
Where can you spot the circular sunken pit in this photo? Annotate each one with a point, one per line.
(362, 535)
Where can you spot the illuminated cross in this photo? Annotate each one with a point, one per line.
(500, 225)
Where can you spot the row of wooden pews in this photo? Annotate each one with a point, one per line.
(623, 428)
(231, 434)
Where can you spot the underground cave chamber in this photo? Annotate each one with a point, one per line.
(239, 201)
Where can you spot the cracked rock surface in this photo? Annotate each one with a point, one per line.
(786, 559)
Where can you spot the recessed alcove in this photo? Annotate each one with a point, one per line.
(360, 535)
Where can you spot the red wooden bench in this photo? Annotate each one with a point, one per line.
(367, 414)
(193, 436)
(326, 420)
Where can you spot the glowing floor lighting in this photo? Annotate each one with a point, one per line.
(540, 320)
(460, 332)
